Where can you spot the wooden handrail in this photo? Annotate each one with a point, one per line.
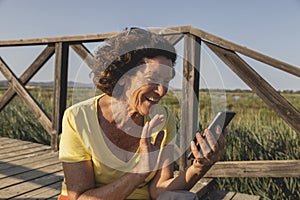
(76, 39)
(247, 52)
(258, 168)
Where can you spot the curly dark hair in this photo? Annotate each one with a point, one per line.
(126, 51)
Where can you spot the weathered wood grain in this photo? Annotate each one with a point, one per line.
(261, 87)
(29, 100)
(36, 175)
(190, 93)
(81, 38)
(28, 74)
(84, 54)
(246, 51)
(60, 90)
(262, 168)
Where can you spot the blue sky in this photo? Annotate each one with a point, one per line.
(269, 27)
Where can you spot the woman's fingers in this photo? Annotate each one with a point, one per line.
(147, 131)
(213, 144)
(212, 140)
(211, 148)
(157, 119)
(198, 153)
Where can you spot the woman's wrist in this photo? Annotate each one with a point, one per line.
(138, 175)
(196, 170)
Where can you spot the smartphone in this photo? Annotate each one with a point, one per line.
(222, 119)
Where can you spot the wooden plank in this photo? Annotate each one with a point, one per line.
(34, 152)
(169, 34)
(225, 195)
(19, 147)
(79, 38)
(263, 168)
(27, 75)
(11, 143)
(189, 99)
(4, 140)
(18, 169)
(239, 196)
(203, 186)
(23, 188)
(24, 152)
(28, 159)
(60, 90)
(84, 54)
(26, 176)
(247, 52)
(262, 88)
(42, 41)
(50, 191)
(30, 169)
(29, 100)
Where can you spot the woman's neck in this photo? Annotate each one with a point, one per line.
(121, 115)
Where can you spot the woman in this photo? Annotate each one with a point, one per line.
(119, 145)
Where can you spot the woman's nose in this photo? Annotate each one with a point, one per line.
(161, 89)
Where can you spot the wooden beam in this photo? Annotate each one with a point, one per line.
(32, 104)
(261, 87)
(247, 52)
(262, 168)
(27, 75)
(84, 54)
(60, 90)
(189, 99)
(172, 35)
(79, 38)
(71, 39)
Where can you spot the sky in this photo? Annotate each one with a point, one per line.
(271, 27)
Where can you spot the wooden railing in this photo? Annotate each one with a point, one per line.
(225, 50)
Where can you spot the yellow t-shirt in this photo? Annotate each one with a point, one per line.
(82, 139)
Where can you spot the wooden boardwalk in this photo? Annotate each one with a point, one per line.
(28, 170)
(32, 171)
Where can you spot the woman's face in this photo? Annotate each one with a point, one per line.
(149, 84)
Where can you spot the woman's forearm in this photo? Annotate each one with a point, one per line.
(184, 181)
(187, 179)
(119, 189)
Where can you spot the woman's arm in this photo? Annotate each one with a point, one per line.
(81, 183)
(211, 150)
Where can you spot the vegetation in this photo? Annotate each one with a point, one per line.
(256, 133)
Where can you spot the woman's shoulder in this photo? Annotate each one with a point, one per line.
(88, 105)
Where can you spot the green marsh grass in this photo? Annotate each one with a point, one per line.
(256, 133)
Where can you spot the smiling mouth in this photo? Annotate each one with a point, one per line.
(152, 99)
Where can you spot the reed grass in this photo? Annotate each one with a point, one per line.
(256, 133)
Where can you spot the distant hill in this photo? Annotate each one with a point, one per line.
(50, 84)
(4, 83)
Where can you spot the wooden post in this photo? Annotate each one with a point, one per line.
(60, 90)
(190, 92)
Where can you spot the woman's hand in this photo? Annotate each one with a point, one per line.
(149, 152)
(211, 149)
